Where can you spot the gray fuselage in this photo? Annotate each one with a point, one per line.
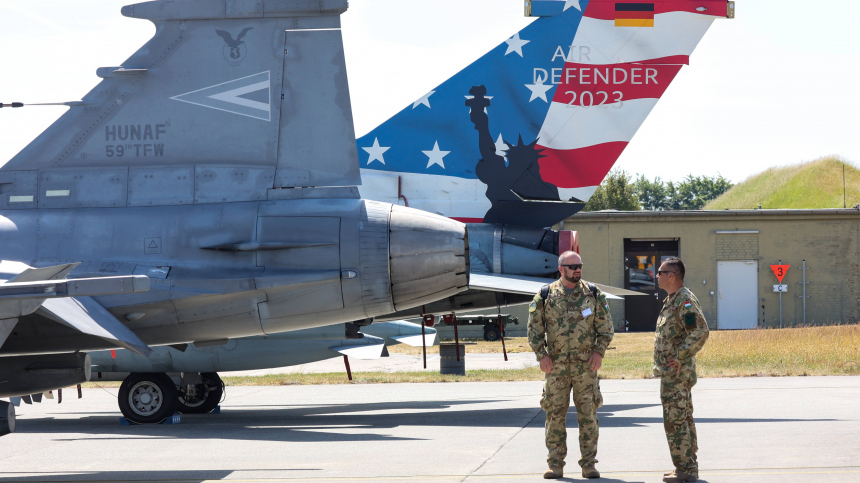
(226, 270)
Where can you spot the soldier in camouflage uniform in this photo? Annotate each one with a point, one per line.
(681, 333)
(569, 330)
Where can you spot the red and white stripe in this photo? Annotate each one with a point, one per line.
(623, 72)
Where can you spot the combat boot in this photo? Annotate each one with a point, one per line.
(679, 476)
(554, 472)
(590, 472)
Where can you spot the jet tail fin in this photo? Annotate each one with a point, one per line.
(227, 100)
(542, 117)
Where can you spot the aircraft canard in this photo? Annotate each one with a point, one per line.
(554, 106)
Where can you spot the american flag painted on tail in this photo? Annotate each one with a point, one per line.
(539, 120)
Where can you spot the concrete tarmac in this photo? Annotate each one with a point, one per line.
(750, 429)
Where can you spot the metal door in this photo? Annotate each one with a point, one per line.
(642, 259)
(737, 293)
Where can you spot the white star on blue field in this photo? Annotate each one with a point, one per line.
(438, 121)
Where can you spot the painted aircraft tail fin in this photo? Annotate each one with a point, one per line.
(553, 106)
(226, 100)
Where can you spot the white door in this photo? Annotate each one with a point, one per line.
(737, 295)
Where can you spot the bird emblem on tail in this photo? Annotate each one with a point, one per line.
(234, 49)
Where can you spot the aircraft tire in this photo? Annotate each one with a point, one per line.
(212, 391)
(147, 397)
(491, 334)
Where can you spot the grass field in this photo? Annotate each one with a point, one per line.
(811, 351)
(815, 184)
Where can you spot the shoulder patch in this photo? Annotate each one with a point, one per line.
(688, 304)
(532, 307)
(690, 319)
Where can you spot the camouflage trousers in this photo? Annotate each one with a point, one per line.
(675, 393)
(564, 378)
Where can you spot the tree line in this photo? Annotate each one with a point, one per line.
(624, 192)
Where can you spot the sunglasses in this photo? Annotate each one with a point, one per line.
(573, 266)
(661, 272)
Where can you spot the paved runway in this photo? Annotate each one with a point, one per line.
(754, 429)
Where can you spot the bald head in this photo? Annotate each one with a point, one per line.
(569, 258)
(570, 268)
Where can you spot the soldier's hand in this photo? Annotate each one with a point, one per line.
(674, 364)
(546, 364)
(595, 361)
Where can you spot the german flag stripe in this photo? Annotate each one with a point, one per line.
(634, 7)
(639, 15)
(606, 10)
(634, 22)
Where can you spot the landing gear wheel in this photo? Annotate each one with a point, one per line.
(201, 398)
(147, 397)
(492, 334)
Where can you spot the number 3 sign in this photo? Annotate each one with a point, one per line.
(780, 271)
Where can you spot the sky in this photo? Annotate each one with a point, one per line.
(775, 86)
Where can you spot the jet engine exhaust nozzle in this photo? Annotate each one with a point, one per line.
(429, 257)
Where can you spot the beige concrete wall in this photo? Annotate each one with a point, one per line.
(829, 241)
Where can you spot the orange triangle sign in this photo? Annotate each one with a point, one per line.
(779, 271)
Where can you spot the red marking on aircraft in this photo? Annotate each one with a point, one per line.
(577, 168)
(609, 84)
(604, 10)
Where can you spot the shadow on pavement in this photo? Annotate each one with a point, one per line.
(188, 476)
(340, 422)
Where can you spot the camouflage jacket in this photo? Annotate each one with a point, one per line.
(681, 331)
(569, 327)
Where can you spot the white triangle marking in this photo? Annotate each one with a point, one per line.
(233, 96)
(225, 96)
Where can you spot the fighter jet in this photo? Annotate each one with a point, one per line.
(554, 105)
(184, 166)
(222, 173)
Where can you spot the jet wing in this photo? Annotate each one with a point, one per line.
(401, 332)
(621, 292)
(56, 272)
(89, 317)
(369, 347)
(48, 292)
(531, 285)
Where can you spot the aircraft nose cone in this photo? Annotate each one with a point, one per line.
(429, 257)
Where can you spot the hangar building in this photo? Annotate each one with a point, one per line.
(728, 256)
